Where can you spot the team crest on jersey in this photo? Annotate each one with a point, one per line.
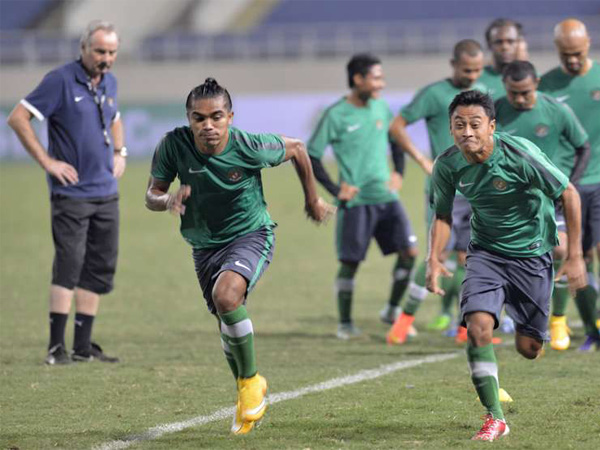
(595, 94)
(541, 130)
(379, 124)
(499, 183)
(234, 175)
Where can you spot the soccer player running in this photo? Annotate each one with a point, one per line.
(357, 126)
(505, 40)
(224, 218)
(554, 128)
(576, 82)
(431, 103)
(511, 186)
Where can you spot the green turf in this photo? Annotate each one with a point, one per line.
(173, 368)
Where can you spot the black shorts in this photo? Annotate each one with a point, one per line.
(523, 285)
(387, 222)
(248, 255)
(590, 215)
(86, 241)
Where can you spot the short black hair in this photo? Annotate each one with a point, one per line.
(519, 70)
(209, 89)
(477, 98)
(469, 46)
(500, 23)
(360, 64)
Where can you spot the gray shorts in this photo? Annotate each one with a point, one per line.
(388, 223)
(522, 285)
(248, 255)
(590, 215)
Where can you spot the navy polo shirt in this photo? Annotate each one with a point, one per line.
(75, 131)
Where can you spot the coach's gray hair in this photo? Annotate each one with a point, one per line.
(93, 26)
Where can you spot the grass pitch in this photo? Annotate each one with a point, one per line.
(172, 366)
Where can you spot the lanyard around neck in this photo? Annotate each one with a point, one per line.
(99, 101)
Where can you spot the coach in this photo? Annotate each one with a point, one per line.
(85, 157)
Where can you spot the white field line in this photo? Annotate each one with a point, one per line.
(227, 413)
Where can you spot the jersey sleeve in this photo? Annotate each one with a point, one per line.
(164, 163)
(261, 150)
(46, 97)
(543, 174)
(572, 129)
(323, 135)
(442, 189)
(421, 107)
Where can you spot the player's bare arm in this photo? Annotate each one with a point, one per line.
(439, 237)
(574, 266)
(158, 197)
(401, 137)
(316, 208)
(20, 121)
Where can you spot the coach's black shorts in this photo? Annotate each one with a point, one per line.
(86, 241)
(523, 285)
(387, 222)
(248, 255)
(590, 215)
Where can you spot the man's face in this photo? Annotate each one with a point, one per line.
(371, 84)
(99, 56)
(504, 44)
(209, 120)
(573, 53)
(472, 130)
(521, 94)
(467, 70)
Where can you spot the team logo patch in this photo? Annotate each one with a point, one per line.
(379, 124)
(499, 184)
(234, 175)
(542, 130)
(595, 94)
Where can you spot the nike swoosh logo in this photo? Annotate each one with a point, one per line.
(461, 184)
(562, 98)
(197, 171)
(352, 128)
(239, 264)
(79, 323)
(78, 99)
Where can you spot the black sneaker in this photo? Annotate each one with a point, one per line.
(57, 355)
(94, 352)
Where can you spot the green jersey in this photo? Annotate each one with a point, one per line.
(550, 125)
(511, 195)
(227, 198)
(582, 94)
(360, 141)
(492, 80)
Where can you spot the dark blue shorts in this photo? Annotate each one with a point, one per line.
(248, 255)
(590, 215)
(461, 225)
(522, 285)
(387, 222)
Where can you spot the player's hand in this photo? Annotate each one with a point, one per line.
(175, 203)
(427, 165)
(320, 211)
(395, 183)
(434, 269)
(347, 192)
(63, 172)
(574, 269)
(119, 164)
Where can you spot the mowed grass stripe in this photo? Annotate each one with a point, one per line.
(224, 413)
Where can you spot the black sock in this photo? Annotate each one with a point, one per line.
(83, 332)
(58, 322)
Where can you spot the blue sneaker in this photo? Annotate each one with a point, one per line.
(591, 343)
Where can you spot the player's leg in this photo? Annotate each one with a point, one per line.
(354, 228)
(69, 232)
(559, 331)
(97, 275)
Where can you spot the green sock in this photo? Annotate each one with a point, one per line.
(560, 295)
(230, 359)
(401, 277)
(484, 374)
(345, 288)
(417, 291)
(237, 333)
(585, 299)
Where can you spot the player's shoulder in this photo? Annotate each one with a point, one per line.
(247, 141)
(448, 155)
(336, 108)
(551, 75)
(436, 88)
(501, 103)
(517, 145)
(172, 139)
